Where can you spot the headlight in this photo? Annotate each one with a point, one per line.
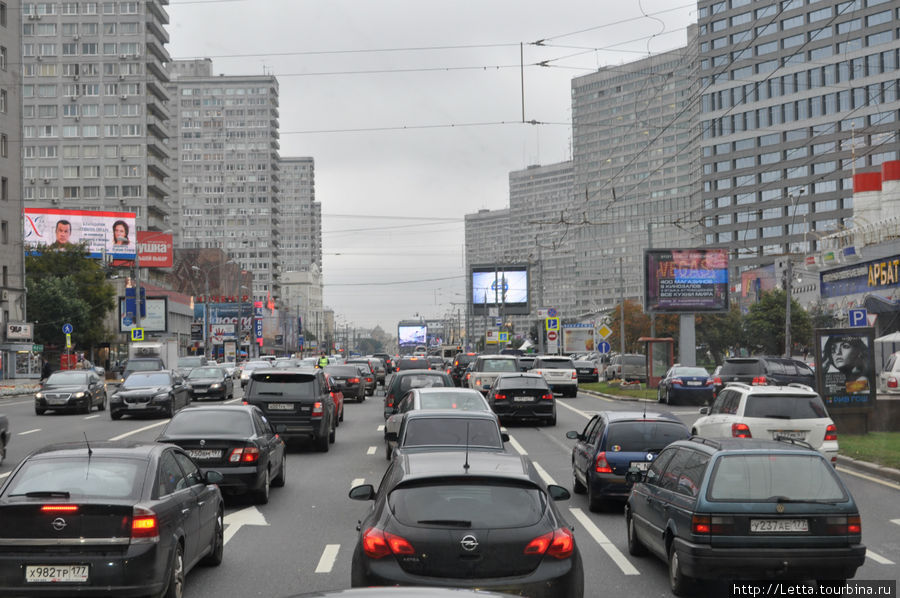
(161, 396)
(216, 385)
(79, 395)
(245, 375)
(39, 395)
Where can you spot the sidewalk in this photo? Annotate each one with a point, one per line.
(863, 467)
(18, 386)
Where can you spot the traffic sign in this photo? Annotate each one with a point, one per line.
(552, 323)
(542, 313)
(137, 334)
(551, 312)
(37, 348)
(68, 341)
(67, 329)
(127, 321)
(503, 337)
(858, 318)
(603, 347)
(604, 331)
(551, 335)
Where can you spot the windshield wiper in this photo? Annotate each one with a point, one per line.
(45, 494)
(450, 522)
(270, 393)
(777, 416)
(785, 499)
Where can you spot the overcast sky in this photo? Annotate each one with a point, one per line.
(412, 110)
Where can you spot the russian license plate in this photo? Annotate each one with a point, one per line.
(205, 453)
(199, 391)
(525, 399)
(778, 525)
(281, 407)
(792, 434)
(56, 573)
(56, 401)
(640, 465)
(693, 383)
(137, 405)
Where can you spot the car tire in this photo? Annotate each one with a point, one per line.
(659, 396)
(679, 583)
(370, 393)
(175, 587)
(114, 414)
(552, 420)
(322, 444)
(388, 452)
(341, 418)
(595, 503)
(669, 400)
(170, 408)
(39, 411)
(214, 558)
(262, 493)
(635, 546)
(88, 405)
(279, 480)
(332, 436)
(102, 405)
(577, 486)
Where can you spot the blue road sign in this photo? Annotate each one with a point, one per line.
(67, 329)
(127, 321)
(603, 347)
(551, 312)
(858, 318)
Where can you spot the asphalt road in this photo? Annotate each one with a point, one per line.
(303, 539)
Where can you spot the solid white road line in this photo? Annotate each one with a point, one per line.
(139, 430)
(357, 482)
(519, 448)
(614, 553)
(583, 414)
(888, 483)
(329, 556)
(878, 558)
(95, 416)
(372, 450)
(27, 432)
(548, 479)
(897, 521)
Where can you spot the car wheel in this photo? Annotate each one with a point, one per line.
(552, 420)
(217, 545)
(577, 486)
(333, 434)
(679, 583)
(669, 400)
(387, 450)
(279, 480)
(102, 405)
(39, 411)
(635, 546)
(595, 503)
(114, 414)
(175, 588)
(341, 418)
(322, 444)
(88, 404)
(262, 493)
(370, 393)
(659, 396)
(170, 408)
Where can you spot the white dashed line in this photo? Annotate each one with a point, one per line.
(329, 556)
(381, 428)
(139, 430)
(372, 450)
(519, 448)
(548, 479)
(357, 482)
(614, 553)
(583, 414)
(878, 558)
(888, 483)
(27, 432)
(897, 521)
(95, 416)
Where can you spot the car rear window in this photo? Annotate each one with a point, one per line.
(419, 363)
(785, 406)
(775, 477)
(483, 505)
(742, 366)
(449, 431)
(81, 477)
(463, 359)
(342, 370)
(498, 365)
(690, 372)
(644, 435)
(467, 401)
(420, 381)
(283, 385)
(555, 363)
(210, 423)
(634, 360)
(522, 382)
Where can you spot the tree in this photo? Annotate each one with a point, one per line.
(765, 322)
(66, 286)
(720, 331)
(821, 316)
(369, 346)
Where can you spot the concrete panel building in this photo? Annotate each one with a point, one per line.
(301, 215)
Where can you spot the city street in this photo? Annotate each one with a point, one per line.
(303, 539)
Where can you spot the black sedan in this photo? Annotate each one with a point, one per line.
(349, 380)
(162, 392)
(486, 521)
(237, 441)
(108, 518)
(71, 390)
(522, 397)
(587, 371)
(210, 382)
(686, 384)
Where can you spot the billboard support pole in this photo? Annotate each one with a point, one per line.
(622, 312)
(137, 290)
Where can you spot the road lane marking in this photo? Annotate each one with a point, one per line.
(95, 416)
(519, 448)
(583, 414)
(329, 556)
(897, 521)
(381, 428)
(548, 479)
(372, 450)
(614, 553)
(357, 482)
(235, 521)
(139, 430)
(878, 558)
(888, 483)
(27, 432)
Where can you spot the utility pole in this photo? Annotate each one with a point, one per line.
(788, 274)
(622, 303)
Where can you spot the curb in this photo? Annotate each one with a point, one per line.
(888, 473)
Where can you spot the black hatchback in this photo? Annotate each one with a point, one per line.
(764, 371)
(469, 520)
(521, 397)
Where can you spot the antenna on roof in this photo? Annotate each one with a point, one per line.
(90, 452)
(644, 416)
(466, 464)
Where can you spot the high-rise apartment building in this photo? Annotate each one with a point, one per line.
(635, 173)
(795, 95)
(228, 179)
(301, 215)
(487, 242)
(94, 104)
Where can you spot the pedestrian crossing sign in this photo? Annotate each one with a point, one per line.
(137, 334)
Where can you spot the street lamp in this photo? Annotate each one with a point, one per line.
(205, 310)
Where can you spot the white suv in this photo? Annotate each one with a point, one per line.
(793, 412)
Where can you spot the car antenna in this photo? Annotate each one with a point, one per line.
(466, 465)
(90, 452)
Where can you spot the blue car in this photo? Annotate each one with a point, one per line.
(614, 442)
(686, 385)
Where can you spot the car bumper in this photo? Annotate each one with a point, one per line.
(140, 570)
(588, 377)
(293, 430)
(542, 411)
(216, 393)
(697, 396)
(707, 562)
(138, 408)
(238, 479)
(69, 405)
(563, 387)
(609, 485)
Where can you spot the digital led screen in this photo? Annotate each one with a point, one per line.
(410, 336)
(685, 280)
(496, 286)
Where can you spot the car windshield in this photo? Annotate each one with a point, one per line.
(498, 365)
(450, 431)
(420, 381)
(484, 505)
(206, 373)
(785, 406)
(775, 476)
(80, 477)
(61, 378)
(467, 401)
(690, 372)
(253, 365)
(207, 422)
(633, 436)
(145, 380)
(190, 362)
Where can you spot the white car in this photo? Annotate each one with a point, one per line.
(792, 412)
(559, 372)
(889, 377)
(486, 368)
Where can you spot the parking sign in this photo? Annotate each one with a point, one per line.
(858, 318)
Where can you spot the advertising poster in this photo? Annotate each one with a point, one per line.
(845, 368)
(105, 233)
(685, 280)
(410, 336)
(578, 338)
(154, 320)
(506, 286)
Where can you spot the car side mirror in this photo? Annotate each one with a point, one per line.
(558, 492)
(504, 435)
(363, 492)
(634, 475)
(573, 435)
(213, 477)
(704, 411)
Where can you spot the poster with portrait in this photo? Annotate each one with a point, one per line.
(845, 368)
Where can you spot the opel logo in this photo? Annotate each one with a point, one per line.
(59, 524)
(469, 543)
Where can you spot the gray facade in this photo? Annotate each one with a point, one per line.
(96, 124)
(301, 219)
(487, 242)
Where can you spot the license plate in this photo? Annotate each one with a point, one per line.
(56, 401)
(778, 525)
(693, 383)
(792, 434)
(136, 405)
(56, 573)
(199, 391)
(640, 465)
(205, 454)
(281, 407)
(522, 399)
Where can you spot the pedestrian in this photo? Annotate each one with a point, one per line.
(323, 361)
(45, 369)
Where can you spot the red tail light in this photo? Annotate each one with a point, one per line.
(831, 432)
(715, 524)
(759, 381)
(547, 397)
(678, 381)
(500, 397)
(144, 524)
(59, 509)
(318, 410)
(717, 381)
(353, 380)
(841, 525)
(892, 383)
(595, 371)
(700, 524)
(740, 431)
(559, 544)
(247, 454)
(601, 465)
(378, 544)
(710, 382)
(574, 375)
(390, 400)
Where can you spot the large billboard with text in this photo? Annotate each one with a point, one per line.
(685, 280)
(110, 234)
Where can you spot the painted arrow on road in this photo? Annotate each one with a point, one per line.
(237, 520)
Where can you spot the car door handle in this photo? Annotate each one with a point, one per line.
(185, 510)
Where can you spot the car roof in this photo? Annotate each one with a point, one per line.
(736, 445)
(500, 356)
(509, 375)
(443, 390)
(419, 372)
(450, 413)
(220, 407)
(442, 463)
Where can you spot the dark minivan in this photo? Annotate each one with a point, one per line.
(764, 370)
(296, 402)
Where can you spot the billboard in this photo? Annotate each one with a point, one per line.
(155, 319)
(154, 249)
(578, 338)
(410, 336)
(105, 233)
(500, 287)
(845, 368)
(685, 280)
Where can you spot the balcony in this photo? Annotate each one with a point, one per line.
(155, 68)
(155, 108)
(158, 50)
(158, 127)
(157, 149)
(158, 168)
(157, 90)
(156, 9)
(155, 27)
